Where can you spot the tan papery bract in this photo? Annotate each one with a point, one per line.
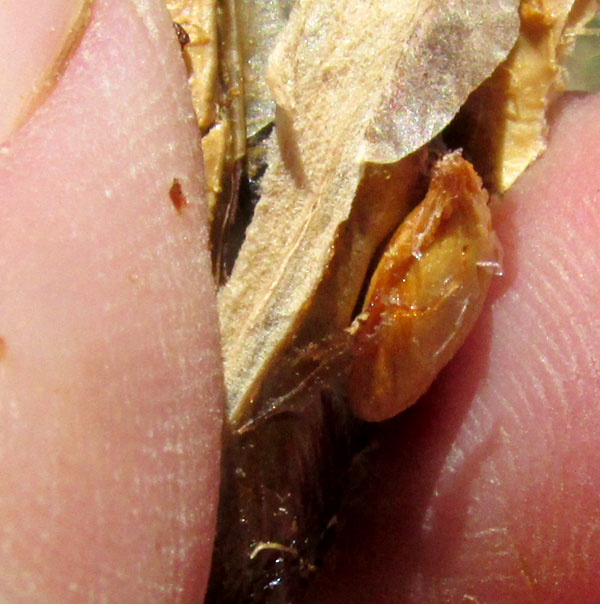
(503, 125)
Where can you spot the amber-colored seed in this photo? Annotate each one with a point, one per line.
(425, 294)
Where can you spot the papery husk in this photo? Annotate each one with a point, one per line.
(198, 18)
(503, 125)
(354, 84)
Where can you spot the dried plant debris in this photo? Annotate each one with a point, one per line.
(425, 294)
(503, 125)
(212, 55)
(353, 82)
(198, 20)
(282, 479)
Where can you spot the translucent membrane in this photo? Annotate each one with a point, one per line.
(583, 66)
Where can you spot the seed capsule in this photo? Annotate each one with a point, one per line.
(426, 293)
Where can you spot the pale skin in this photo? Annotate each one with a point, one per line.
(110, 391)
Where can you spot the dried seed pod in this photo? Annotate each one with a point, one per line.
(425, 294)
(356, 83)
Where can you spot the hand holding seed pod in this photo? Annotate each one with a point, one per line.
(364, 92)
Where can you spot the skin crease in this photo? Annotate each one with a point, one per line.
(110, 377)
(486, 491)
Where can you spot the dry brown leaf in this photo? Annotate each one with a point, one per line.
(355, 81)
(503, 125)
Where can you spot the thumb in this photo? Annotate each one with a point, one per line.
(109, 367)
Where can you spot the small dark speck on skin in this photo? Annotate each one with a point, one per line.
(176, 194)
(182, 35)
